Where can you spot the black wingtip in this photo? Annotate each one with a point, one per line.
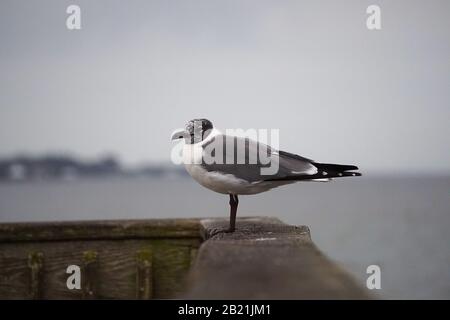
(337, 170)
(332, 167)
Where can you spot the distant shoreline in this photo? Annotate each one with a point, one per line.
(66, 168)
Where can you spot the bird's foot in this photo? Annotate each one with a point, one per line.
(215, 232)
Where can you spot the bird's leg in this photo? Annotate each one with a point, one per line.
(234, 201)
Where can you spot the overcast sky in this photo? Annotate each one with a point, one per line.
(137, 70)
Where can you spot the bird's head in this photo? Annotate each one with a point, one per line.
(195, 131)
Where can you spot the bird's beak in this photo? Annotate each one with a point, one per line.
(179, 134)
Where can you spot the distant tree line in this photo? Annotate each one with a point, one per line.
(67, 167)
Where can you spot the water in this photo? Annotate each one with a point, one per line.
(401, 223)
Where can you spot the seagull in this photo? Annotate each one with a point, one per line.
(235, 165)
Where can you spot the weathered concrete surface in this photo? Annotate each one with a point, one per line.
(265, 259)
(144, 259)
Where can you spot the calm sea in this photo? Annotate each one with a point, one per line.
(401, 224)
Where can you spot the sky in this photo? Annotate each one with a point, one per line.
(137, 70)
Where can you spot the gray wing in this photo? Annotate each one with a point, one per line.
(250, 160)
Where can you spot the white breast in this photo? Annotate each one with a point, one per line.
(218, 182)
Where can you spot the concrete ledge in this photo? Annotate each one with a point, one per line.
(265, 259)
(144, 259)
